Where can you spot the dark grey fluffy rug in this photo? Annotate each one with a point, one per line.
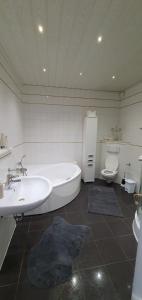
(103, 200)
(50, 261)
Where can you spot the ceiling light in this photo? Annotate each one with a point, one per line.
(40, 28)
(80, 73)
(99, 39)
(113, 77)
(44, 69)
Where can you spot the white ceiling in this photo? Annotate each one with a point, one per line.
(69, 45)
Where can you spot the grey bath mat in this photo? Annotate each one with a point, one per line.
(50, 261)
(103, 200)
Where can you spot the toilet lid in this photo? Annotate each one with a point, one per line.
(111, 163)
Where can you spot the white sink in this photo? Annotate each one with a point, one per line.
(25, 195)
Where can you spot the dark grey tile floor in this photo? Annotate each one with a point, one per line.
(104, 269)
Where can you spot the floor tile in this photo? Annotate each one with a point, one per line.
(75, 205)
(22, 227)
(39, 217)
(40, 225)
(119, 227)
(8, 292)
(75, 218)
(89, 256)
(72, 289)
(100, 230)
(59, 211)
(122, 278)
(128, 245)
(42, 222)
(133, 262)
(98, 285)
(33, 238)
(111, 219)
(110, 251)
(90, 218)
(110, 243)
(128, 210)
(18, 243)
(10, 269)
(129, 222)
(27, 291)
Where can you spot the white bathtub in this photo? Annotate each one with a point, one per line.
(65, 177)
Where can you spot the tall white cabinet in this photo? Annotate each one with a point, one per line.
(89, 147)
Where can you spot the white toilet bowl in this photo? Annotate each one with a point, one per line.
(111, 168)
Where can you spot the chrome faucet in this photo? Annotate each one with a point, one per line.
(10, 179)
(21, 169)
(20, 163)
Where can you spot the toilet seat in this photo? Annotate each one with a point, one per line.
(108, 173)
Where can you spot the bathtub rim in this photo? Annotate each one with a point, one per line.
(76, 174)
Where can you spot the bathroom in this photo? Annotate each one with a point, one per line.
(61, 61)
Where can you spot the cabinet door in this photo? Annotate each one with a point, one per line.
(89, 148)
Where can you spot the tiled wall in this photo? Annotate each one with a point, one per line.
(53, 129)
(131, 145)
(50, 129)
(128, 154)
(53, 126)
(131, 116)
(11, 125)
(131, 123)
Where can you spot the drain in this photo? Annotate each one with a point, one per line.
(21, 199)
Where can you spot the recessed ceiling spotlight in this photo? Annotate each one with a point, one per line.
(99, 39)
(80, 73)
(40, 28)
(113, 77)
(44, 69)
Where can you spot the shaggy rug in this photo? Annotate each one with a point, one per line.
(50, 261)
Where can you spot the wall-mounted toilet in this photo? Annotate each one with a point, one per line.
(111, 168)
(111, 163)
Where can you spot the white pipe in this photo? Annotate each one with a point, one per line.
(137, 283)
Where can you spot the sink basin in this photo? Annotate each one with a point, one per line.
(27, 194)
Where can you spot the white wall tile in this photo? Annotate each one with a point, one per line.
(131, 122)
(11, 125)
(60, 127)
(131, 146)
(52, 152)
(128, 154)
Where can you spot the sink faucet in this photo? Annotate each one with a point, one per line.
(21, 169)
(10, 179)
